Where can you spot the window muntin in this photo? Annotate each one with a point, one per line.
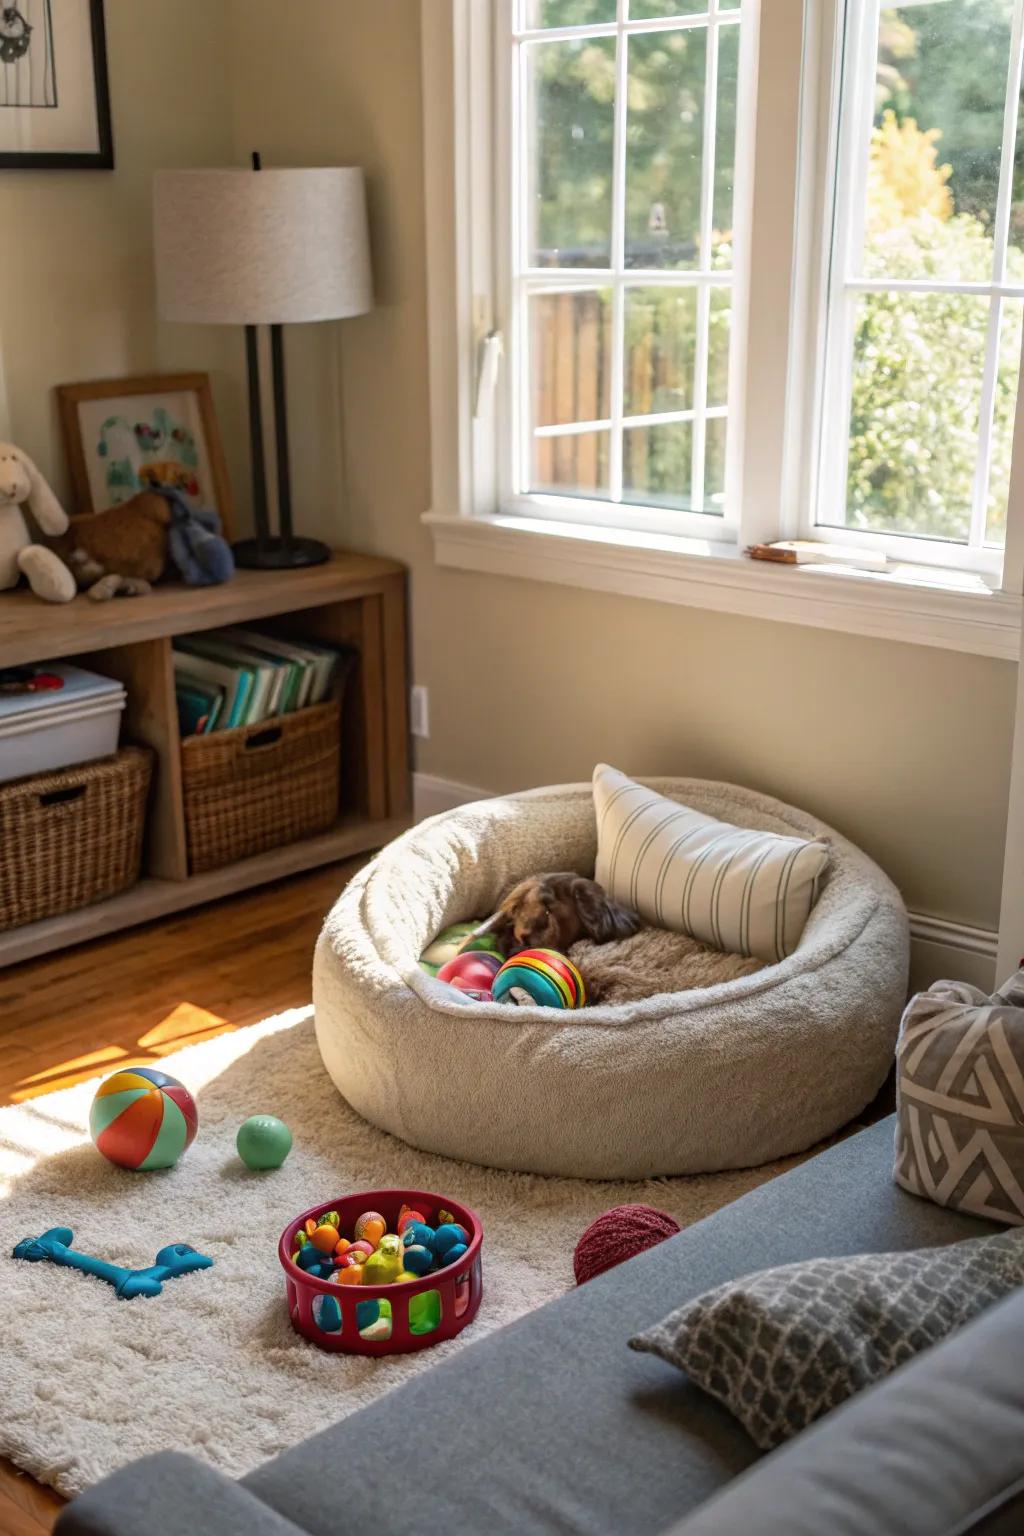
(623, 149)
(926, 280)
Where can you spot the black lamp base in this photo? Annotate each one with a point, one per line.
(283, 551)
(274, 554)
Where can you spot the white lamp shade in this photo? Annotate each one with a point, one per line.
(240, 247)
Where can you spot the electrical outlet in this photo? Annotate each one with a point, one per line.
(419, 711)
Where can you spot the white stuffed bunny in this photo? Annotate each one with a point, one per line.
(22, 484)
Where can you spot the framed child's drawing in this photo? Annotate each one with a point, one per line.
(126, 435)
(54, 95)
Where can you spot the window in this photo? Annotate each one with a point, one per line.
(623, 143)
(727, 272)
(926, 290)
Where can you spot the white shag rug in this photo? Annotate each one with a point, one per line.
(212, 1366)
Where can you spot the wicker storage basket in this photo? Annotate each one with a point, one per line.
(257, 786)
(73, 837)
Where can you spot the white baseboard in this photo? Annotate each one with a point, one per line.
(938, 948)
(431, 795)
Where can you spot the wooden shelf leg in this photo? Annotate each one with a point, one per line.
(357, 622)
(371, 666)
(396, 697)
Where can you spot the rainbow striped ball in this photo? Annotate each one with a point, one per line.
(141, 1118)
(542, 977)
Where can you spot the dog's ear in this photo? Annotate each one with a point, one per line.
(500, 926)
(602, 918)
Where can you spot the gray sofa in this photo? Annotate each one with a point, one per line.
(554, 1426)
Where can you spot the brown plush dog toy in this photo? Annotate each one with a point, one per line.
(553, 911)
(122, 550)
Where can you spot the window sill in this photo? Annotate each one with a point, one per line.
(916, 604)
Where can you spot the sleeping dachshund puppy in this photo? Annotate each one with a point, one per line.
(553, 911)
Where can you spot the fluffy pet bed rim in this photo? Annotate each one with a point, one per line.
(726, 1076)
(819, 944)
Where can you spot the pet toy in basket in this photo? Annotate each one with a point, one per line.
(384, 1272)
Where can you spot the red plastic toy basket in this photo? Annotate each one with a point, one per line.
(456, 1290)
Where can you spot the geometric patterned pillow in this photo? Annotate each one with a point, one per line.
(782, 1347)
(960, 1099)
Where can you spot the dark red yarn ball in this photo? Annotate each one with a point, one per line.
(618, 1235)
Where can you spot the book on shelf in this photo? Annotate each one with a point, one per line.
(235, 681)
(239, 676)
(263, 676)
(292, 685)
(199, 704)
(316, 663)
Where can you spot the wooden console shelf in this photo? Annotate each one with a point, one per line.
(353, 600)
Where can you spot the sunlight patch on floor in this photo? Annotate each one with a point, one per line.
(75, 1070)
(40, 1133)
(186, 1024)
(33, 1128)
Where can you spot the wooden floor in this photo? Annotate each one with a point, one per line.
(136, 998)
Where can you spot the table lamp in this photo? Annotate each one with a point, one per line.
(263, 247)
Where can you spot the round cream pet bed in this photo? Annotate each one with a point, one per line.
(723, 1077)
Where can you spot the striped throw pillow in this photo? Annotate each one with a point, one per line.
(742, 891)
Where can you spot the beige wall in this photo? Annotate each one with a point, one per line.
(353, 99)
(76, 300)
(904, 748)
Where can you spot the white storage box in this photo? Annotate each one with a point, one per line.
(48, 727)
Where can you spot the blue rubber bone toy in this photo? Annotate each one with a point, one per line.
(172, 1261)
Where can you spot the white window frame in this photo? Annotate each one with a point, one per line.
(477, 520)
(837, 206)
(517, 282)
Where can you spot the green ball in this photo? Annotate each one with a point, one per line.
(263, 1141)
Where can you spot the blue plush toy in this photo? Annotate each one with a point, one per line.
(194, 541)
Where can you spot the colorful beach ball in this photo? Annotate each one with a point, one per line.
(141, 1118)
(541, 977)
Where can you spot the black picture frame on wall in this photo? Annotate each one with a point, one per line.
(44, 73)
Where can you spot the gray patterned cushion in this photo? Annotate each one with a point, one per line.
(782, 1347)
(960, 1099)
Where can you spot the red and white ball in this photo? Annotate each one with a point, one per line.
(472, 972)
